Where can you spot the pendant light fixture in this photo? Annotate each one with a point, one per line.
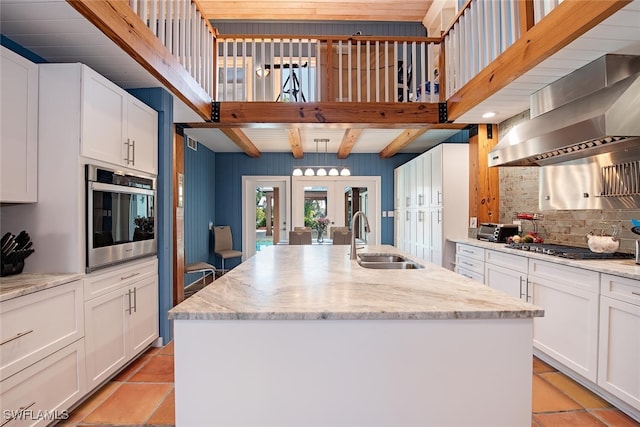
(321, 170)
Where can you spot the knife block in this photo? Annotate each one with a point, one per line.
(10, 269)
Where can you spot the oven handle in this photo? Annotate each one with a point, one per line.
(112, 188)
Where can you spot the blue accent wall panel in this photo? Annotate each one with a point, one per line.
(162, 101)
(26, 53)
(199, 206)
(230, 167)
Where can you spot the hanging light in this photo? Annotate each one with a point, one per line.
(321, 170)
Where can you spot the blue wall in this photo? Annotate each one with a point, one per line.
(199, 206)
(230, 167)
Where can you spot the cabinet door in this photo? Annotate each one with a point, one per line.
(398, 187)
(142, 133)
(409, 170)
(436, 176)
(103, 119)
(143, 321)
(619, 370)
(106, 323)
(509, 281)
(574, 312)
(435, 236)
(424, 178)
(398, 220)
(422, 234)
(19, 129)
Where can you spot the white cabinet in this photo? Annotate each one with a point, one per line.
(18, 128)
(470, 262)
(114, 127)
(619, 356)
(121, 317)
(568, 332)
(432, 191)
(508, 273)
(42, 354)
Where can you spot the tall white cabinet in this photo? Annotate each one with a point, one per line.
(18, 128)
(432, 203)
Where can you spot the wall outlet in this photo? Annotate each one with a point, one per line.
(384, 214)
(390, 214)
(473, 222)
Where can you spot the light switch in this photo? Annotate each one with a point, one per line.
(473, 222)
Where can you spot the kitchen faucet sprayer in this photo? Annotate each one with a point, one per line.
(352, 254)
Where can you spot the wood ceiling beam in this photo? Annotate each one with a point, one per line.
(568, 21)
(295, 142)
(401, 141)
(241, 140)
(120, 23)
(389, 114)
(348, 141)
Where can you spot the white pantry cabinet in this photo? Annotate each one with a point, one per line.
(18, 128)
(570, 299)
(115, 127)
(619, 357)
(121, 317)
(432, 199)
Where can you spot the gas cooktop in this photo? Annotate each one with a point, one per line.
(571, 252)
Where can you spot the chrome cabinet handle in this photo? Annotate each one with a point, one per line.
(408, 201)
(128, 310)
(421, 199)
(129, 276)
(12, 415)
(421, 216)
(126, 158)
(16, 336)
(135, 299)
(133, 158)
(529, 297)
(521, 293)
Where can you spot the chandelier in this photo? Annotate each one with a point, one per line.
(321, 170)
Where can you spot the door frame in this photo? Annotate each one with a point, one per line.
(374, 187)
(249, 184)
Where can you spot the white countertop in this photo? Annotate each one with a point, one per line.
(624, 267)
(321, 282)
(27, 283)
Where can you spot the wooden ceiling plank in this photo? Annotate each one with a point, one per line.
(241, 140)
(119, 22)
(348, 141)
(296, 143)
(568, 21)
(401, 141)
(380, 113)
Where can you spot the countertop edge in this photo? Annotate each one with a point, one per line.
(27, 283)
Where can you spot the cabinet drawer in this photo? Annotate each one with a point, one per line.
(46, 390)
(102, 283)
(36, 325)
(621, 288)
(514, 262)
(470, 251)
(478, 277)
(470, 264)
(572, 276)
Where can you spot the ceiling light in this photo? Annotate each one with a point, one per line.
(345, 172)
(309, 172)
(488, 115)
(333, 172)
(263, 72)
(297, 172)
(321, 170)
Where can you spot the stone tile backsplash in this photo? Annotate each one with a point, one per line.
(519, 193)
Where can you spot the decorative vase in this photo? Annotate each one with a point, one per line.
(320, 235)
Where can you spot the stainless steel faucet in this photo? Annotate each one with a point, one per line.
(353, 231)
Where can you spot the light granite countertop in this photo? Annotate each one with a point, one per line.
(27, 283)
(321, 282)
(624, 268)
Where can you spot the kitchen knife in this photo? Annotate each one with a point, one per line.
(4, 239)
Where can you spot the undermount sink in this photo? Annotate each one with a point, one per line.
(387, 262)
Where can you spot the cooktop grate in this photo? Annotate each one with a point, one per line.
(564, 251)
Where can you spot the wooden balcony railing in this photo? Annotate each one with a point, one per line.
(180, 26)
(321, 68)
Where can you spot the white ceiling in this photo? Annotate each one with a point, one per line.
(55, 31)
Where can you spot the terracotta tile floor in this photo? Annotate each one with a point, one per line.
(143, 395)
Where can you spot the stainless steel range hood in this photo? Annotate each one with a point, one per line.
(591, 111)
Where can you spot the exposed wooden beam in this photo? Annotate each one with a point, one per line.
(295, 142)
(241, 140)
(527, 18)
(379, 113)
(348, 141)
(568, 21)
(401, 141)
(120, 23)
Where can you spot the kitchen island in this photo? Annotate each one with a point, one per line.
(305, 336)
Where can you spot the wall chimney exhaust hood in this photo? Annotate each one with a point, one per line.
(594, 110)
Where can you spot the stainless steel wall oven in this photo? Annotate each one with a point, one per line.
(120, 217)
